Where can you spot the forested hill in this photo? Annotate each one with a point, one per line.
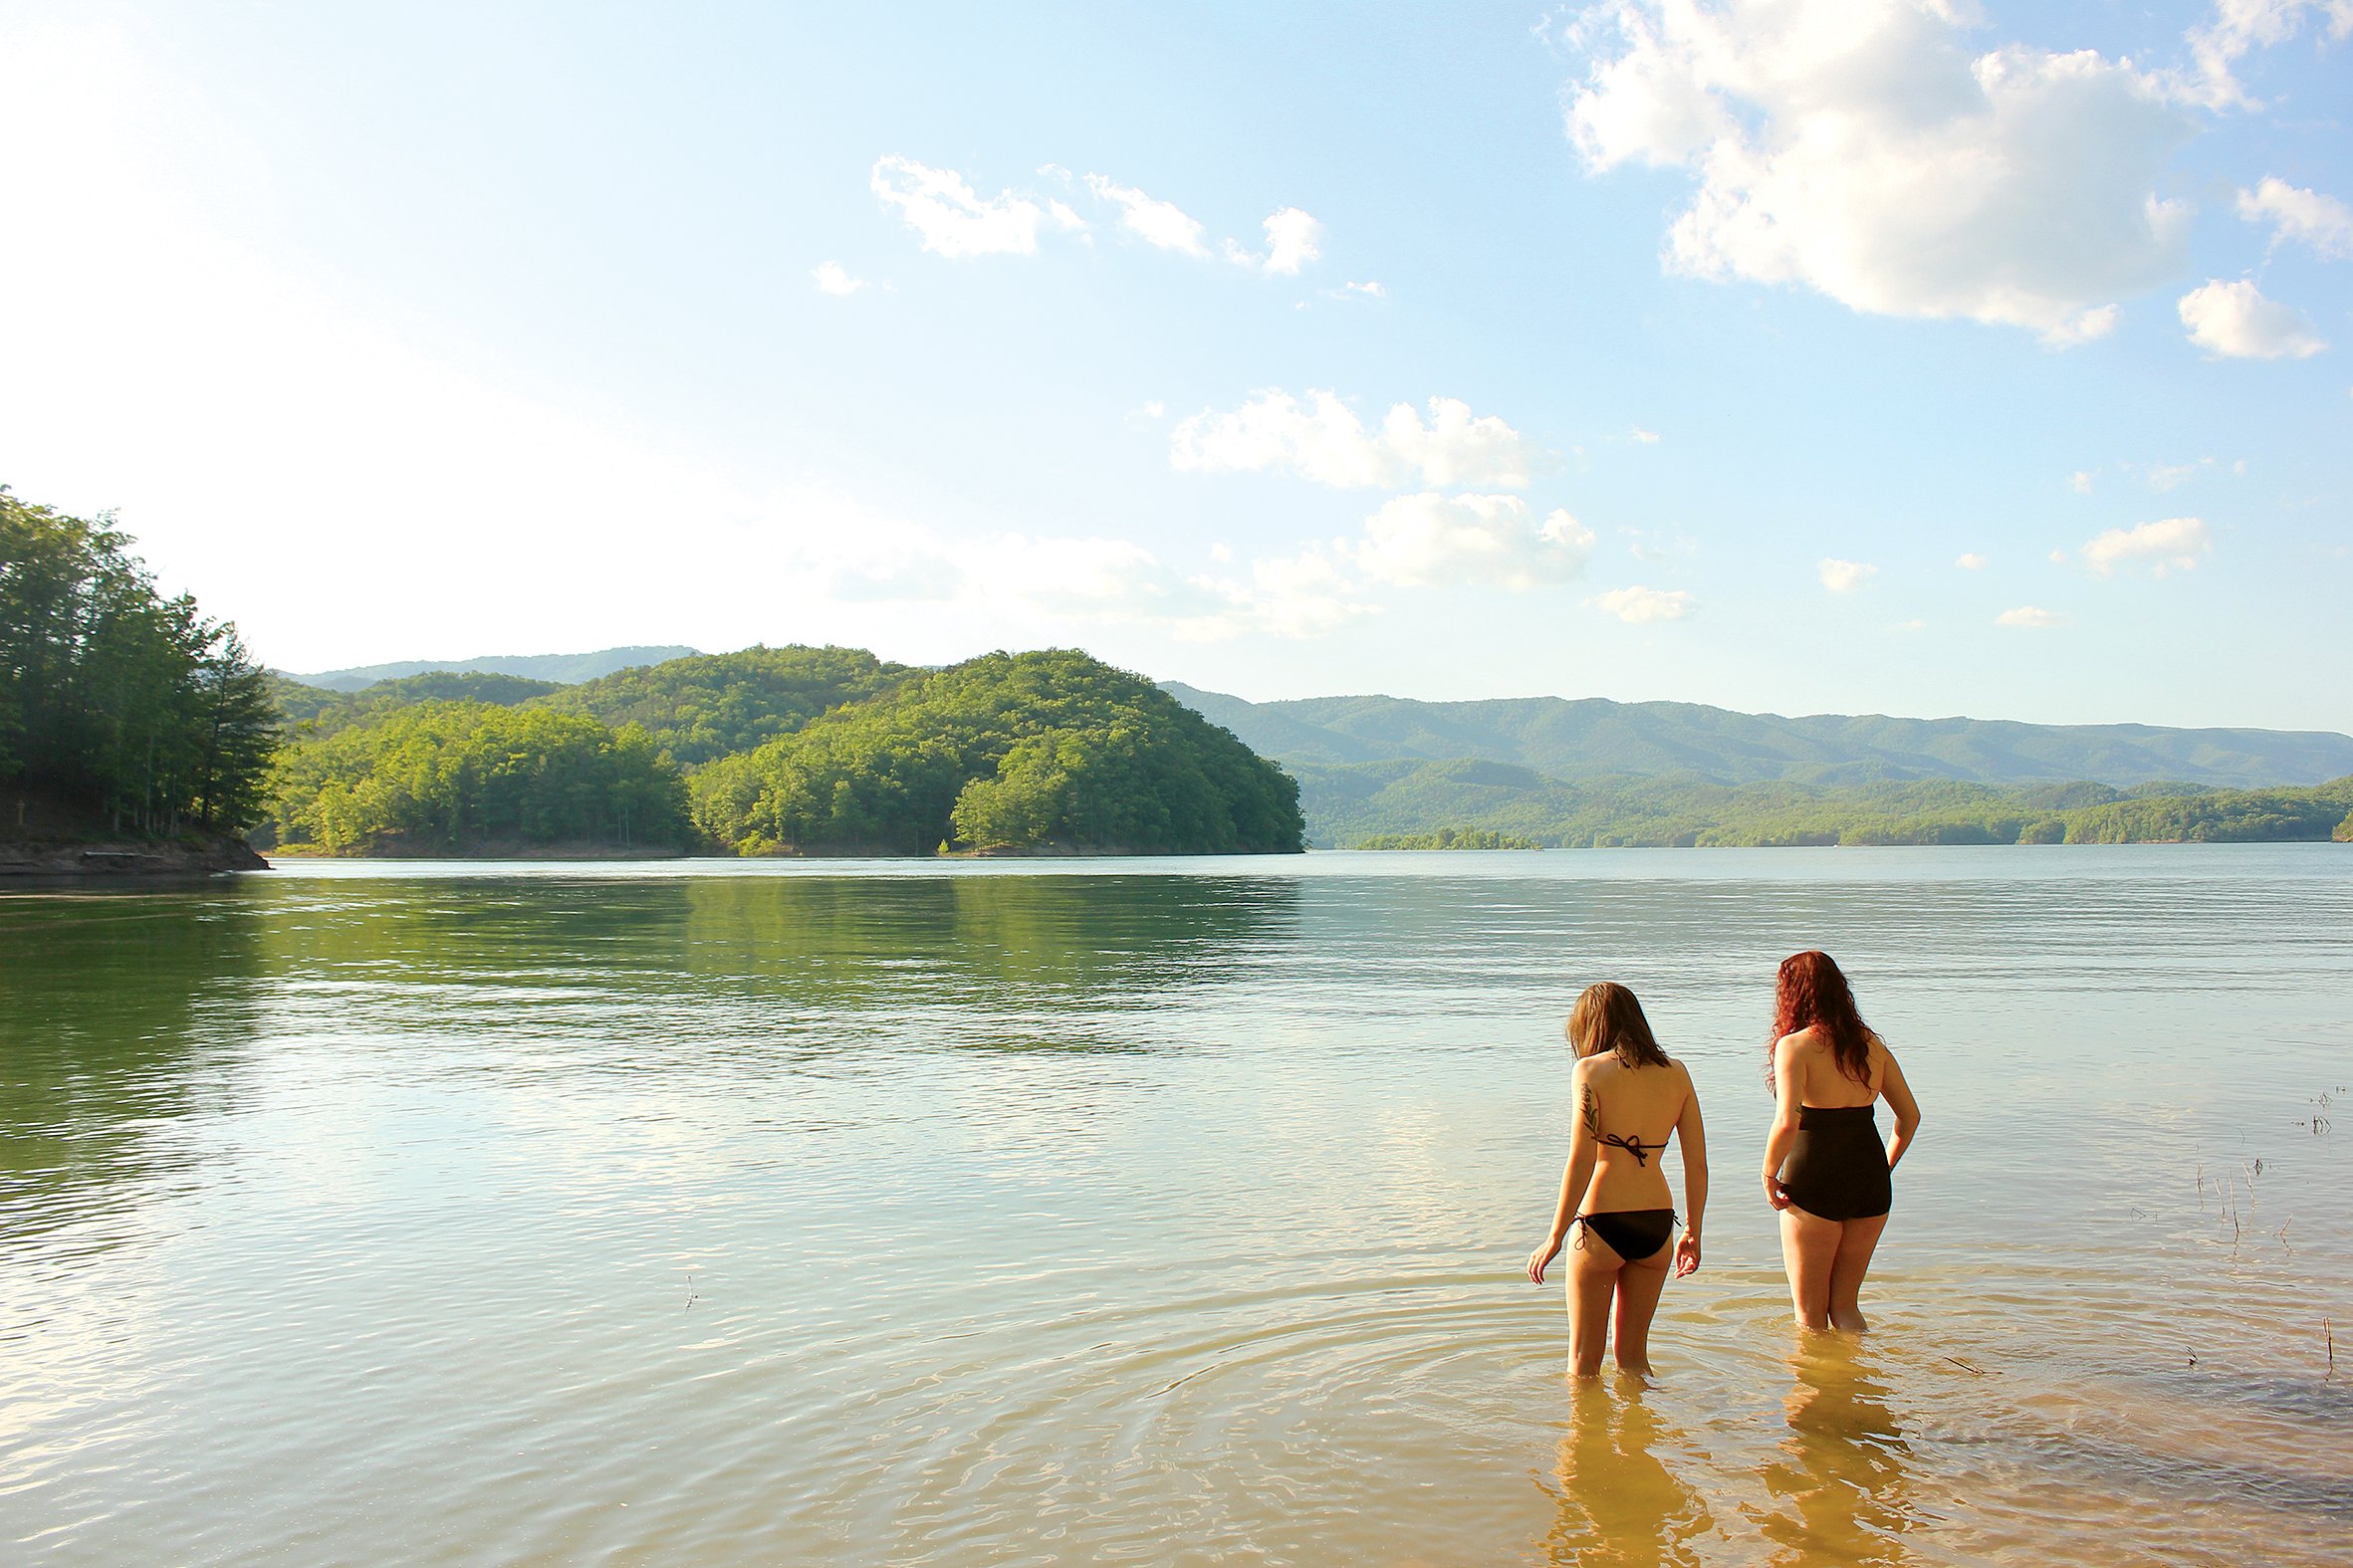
(771, 751)
(1592, 738)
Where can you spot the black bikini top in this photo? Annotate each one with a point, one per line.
(1634, 1146)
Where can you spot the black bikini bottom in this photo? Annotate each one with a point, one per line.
(1837, 1167)
(1632, 1233)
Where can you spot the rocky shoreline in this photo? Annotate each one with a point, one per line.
(129, 858)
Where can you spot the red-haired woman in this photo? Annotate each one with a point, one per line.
(1825, 1169)
(1630, 1095)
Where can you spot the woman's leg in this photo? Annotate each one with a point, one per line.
(1856, 1239)
(1592, 1279)
(1809, 1247)
(1639, 1285)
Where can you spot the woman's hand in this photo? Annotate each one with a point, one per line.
(1687, 1254)
(1540, 1256)
(1774, 1193)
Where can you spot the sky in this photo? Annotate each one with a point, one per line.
(1791, 355)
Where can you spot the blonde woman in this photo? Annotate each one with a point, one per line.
(1630, 1096)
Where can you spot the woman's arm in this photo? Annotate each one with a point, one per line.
(1900, 1101)
(1573, 1180)
(1693, 1135)
(1785, 1075)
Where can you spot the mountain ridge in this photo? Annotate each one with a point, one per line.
(565, 669)
(1593, 736)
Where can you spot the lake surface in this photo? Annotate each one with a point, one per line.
(1153, 1212)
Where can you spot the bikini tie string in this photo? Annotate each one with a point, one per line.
(1633, 1145)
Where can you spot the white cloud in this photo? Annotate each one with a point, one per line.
(833, 279)
(1322, 439)
(950, 216)
(1291, 237)
(2172, 545)
(1085, 579)
(2171, 476)
(1971, 561)
(2083, 328)
(1659, 545)
(1159, 223)
(2235, 322)
(1844, 576)
(2305, 216)
(2241, 26)
(1646, 437)
(2030, 616)
(1639, 605)
(1369, 287)
(1433, 540)
(1864, 152)
(2080, 482)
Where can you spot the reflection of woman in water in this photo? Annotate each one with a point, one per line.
(1825, 1169)
(1842, 1474)
(1619, 1502)
(1630, 1095)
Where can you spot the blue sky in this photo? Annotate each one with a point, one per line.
(1794, 356)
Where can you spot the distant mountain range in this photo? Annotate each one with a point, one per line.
(1592, 738)
(566, 669)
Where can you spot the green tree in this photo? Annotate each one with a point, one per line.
(114, 699)
(1009, 751)
(455, 777)
(709, 706)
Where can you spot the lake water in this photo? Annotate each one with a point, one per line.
(1152, 1212)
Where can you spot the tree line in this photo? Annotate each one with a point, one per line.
(124, 707)
(1378, 804)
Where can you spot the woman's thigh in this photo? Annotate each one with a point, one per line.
(1857, 1239)
(1809, 1249)
(1593, 1283)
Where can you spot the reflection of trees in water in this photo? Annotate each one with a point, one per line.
(848, 933)
(114, 1008)
(1619, 1503)
(1061, 944)
(1842, 1481)
(810, 949)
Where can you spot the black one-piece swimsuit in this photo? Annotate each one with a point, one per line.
(1837, 1167)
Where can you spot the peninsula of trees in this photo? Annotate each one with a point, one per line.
(777, 750)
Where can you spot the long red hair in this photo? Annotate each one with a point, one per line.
(1812, 994)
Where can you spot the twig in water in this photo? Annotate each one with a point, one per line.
(2329, 1335)
(1965, 1365)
